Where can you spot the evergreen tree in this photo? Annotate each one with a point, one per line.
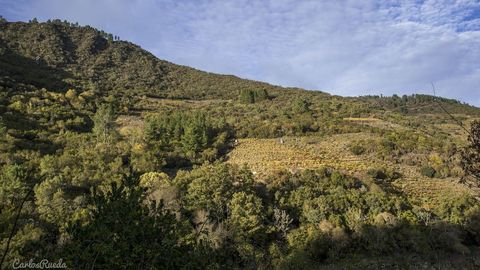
(195, 137)
(104, 123)
(246, 213)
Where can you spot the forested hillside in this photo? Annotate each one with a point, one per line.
(113, 159)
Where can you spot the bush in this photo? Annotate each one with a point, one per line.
(379, 174)
(383, 174)
(428, 171)
(357, 149)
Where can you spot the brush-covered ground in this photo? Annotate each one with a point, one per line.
(113, 159)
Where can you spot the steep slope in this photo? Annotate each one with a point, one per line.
(85, 58)
(59, 55)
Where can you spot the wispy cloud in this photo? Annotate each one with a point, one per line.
(343, 47)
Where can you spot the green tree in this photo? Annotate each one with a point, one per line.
(252, 96)
(13, 186)
(124, 233)
(18, 234)
(246, 213)
(210, 189)
(196, 135)
(260, 95)
(247, 96)
(104, 123)
(301, 106)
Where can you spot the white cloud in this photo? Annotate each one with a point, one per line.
(344, 47)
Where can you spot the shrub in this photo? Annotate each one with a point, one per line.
(357, 149)
(377, 174)
(428, 171)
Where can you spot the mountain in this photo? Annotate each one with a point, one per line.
(169, 167)
(60, 55)
(83, 57)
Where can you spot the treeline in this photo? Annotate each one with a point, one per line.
(420, 103)
(182, 139)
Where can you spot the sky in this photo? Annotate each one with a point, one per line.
(343, 47)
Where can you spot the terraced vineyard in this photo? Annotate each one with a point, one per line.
(264, 156)
(294, 154)
(374, 122)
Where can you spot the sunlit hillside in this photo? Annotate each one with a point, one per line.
(113, 159)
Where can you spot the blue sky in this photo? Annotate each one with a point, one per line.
(355, 47)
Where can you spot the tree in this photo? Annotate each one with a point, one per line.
(13, 186)
(260, 95)
(246, 213)
(124, 233)
(209, 188)
(252, 96)
(281, 221)
(301, 106)
(246, 96)
(3, 128)
(104, 123)
(471, 154)
(16, 232)
(195, 137)
(71, 94)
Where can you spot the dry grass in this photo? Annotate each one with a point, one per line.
(266, 155)
(374, 122)
(158, 104)
(128, 124)
(360, 119)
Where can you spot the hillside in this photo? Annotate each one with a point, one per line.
(85, 58)
(60, 55)
(160, 162)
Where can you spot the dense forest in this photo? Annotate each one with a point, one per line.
(113, 159)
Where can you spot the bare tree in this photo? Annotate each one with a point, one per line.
(281, 221)
(471, 153)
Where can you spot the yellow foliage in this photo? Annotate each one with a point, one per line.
(71, 94)
(151, 180)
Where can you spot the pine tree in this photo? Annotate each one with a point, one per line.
(104, 123)
(195, 137)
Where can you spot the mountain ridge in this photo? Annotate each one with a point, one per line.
(87, 58)
(92, 56)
